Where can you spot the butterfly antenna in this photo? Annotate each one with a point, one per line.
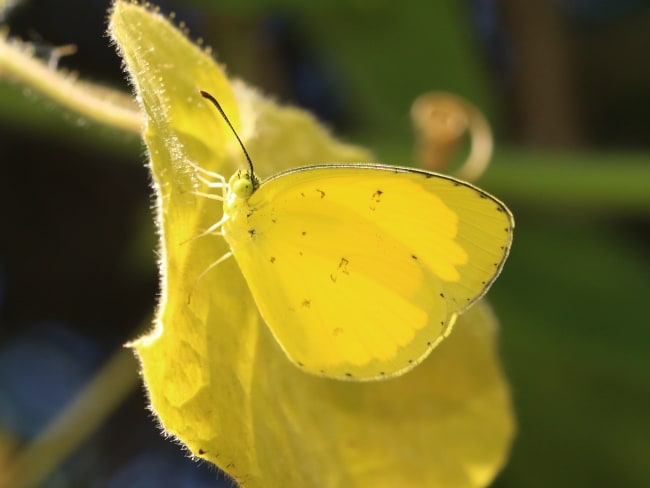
(205, 94)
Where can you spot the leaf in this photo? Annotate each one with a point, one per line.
(216, 378)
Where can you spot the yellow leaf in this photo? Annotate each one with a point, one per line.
(216, 377)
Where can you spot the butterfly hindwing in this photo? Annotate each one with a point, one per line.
(361, 270)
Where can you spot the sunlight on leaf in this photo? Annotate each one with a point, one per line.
(216, 378)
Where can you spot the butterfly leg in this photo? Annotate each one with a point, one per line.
(211, 180)
(214, 229)
(220, 180)
(206, 271)
(211, 196)
(213, 264)
(210, 183)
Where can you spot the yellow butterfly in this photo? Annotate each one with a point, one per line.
(360, 270)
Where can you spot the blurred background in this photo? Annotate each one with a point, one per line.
(565, 85)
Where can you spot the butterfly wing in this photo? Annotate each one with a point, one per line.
(361, 270)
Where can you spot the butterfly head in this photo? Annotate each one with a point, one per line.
(242, 184)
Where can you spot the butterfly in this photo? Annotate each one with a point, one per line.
(360, 270)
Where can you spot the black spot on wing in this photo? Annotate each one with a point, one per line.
(272, 260)
(252, 233)
(321, 192)
(306, 303)
(343, 267)
(375, 199)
